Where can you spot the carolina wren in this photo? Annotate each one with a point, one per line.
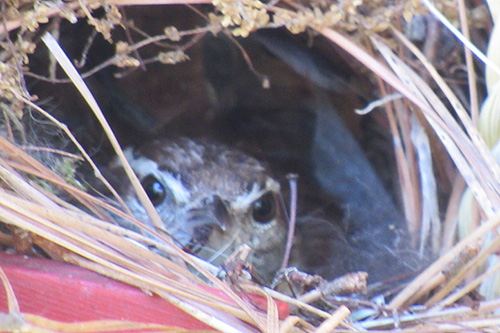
(212, 199)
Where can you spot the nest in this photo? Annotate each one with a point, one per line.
(444, 144)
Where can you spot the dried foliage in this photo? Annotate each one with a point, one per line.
(430, 119)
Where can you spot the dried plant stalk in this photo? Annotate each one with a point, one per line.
(121, 258)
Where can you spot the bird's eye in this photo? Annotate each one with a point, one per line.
(154, 189)
(264, 208)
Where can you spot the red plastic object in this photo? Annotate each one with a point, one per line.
(68, 293)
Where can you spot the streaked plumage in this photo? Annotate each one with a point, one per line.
(212, 199)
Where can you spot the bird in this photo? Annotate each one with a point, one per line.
(211, 198)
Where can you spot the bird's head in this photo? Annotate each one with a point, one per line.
(212, 199)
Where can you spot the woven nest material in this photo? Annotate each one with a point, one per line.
(450, 203)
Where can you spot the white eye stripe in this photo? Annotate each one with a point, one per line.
(143, 166)
(181, 193)
(244, 201)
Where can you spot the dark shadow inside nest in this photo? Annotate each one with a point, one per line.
(348, 198)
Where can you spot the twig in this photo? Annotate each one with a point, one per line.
(297, 303)
(471, 73)
(437, 266)
(377, 103)
(460, 36)
(75, 142)
(12, 304)
(77, 80)
(292, 178)
(335, 320)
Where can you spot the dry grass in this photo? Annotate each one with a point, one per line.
(462, 266)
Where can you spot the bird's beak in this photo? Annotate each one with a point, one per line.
(220, 212)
